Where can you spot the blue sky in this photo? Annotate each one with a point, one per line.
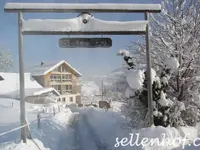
(45, 48)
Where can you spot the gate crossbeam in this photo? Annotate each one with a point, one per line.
(92, 7)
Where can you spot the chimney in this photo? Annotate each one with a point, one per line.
(42, 63)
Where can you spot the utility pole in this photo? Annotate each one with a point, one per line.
(102, 91)
(21, 76)
(148, 58)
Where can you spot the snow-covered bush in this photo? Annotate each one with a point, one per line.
(134, 112)
(132, 109)
(175, 114)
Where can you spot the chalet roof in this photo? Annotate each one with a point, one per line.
(11, 82)
(30, 92)
(43, 69)
(10, 86)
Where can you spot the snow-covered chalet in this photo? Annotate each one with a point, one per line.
(62, 77)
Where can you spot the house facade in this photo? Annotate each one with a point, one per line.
(62, 77)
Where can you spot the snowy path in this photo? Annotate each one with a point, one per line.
(86, 137)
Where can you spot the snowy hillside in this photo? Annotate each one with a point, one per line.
(89, 88)
(108, 77)
(92, 86)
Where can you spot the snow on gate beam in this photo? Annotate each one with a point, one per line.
(83, 33)
(75, 26)
(80, 7)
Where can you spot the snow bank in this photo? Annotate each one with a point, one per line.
(64, 118)
(108, 126)
(29, 146)
(135, 79)
(116, 106)
(158, 133)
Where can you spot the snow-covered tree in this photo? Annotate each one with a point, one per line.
(137, 81)
(5, 60)
(120, 90)
(175, 32)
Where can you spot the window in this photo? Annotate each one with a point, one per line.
(67, 88)
(57, 69)
(55, 77)
(70, 77)
(70, 88)
(64, 69)
(66, 77)
(71, 99)
(63, 99)
(57, 87)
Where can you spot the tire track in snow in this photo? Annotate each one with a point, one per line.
(101, 145)
(86, 137)
(83, 138)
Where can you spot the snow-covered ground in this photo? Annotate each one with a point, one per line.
(103, 128)
(10, 115)
(29, 146)
(53, 129)
(84, 129)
